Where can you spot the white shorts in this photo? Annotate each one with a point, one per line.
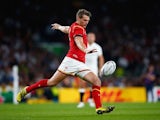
(73, 67)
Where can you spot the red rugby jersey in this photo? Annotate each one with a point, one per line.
(74, 52)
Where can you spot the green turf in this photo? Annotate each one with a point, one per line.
(56, 111)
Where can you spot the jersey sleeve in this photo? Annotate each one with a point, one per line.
(77, 31)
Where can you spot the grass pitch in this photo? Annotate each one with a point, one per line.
(57, 111)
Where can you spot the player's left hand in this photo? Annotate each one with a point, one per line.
(55, 26)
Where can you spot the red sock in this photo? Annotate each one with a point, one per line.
(96, 96)
(39, 84)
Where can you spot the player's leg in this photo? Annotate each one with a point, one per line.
(90, 99)
(96, 85)
(82, 88)
(54, 80)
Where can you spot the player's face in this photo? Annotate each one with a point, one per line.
(91, 37)
(84, 21)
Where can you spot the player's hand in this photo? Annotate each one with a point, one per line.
(55, 26)
(89, 51)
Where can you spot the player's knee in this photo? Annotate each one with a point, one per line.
(97, 82)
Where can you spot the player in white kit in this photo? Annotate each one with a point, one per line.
(94, 61)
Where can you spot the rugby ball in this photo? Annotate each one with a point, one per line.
(108, 68)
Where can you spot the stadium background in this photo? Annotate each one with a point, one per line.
(128, 31)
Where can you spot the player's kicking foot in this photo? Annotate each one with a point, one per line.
(102, 110)
(21, 94)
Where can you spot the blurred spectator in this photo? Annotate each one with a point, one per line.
(149, 81)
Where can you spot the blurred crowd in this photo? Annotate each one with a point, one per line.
(129, 35)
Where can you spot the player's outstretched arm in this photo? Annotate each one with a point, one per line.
(64, 29)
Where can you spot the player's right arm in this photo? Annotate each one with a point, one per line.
(100, 62)
(64, 29)
(100, 58)
(79, 42)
